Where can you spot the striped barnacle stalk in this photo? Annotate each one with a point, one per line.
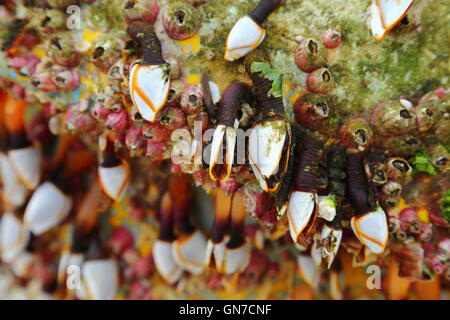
(247, 33)
(224, 139)
(270, 137)
(370, 223)
(149, 78)
(303, 201)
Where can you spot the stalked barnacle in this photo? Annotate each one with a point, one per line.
(312, 110)
(25, 158)
(189, 249)
(393, 118)
(356, 134)
(402, 146)
(113, 173)
(224, 139)
(331, 39)
(310, 55)
(320, 81)
(99, 272)
(66, 80)
(191, 100)
(61, 50)
(141, 10)
(149, 79)
(439, 157)
(248, 33)
(399, 169)
(370, 223)
(270, 137)
(303, 201)
(386, 14)
(237, 250)
(163, 247)
(220, 230)
(181, 20)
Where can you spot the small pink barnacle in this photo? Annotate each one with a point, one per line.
(312, 110)
(426, 231)
(173, 118)
(155, 151)
(191, 99)
(25, 64)
(181, 20)
(117, 121)
(78, 120)
(320, 81)
(229, 186)
(99, 112)
(141, 10)
(410, 220)
(43, 81)
(155, 132)
(310, 55)
(134, 138)
(331, 39)
(67, 80)
(356, 134)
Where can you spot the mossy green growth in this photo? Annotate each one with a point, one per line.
(272, 75)
(421, 163)
(446, 205)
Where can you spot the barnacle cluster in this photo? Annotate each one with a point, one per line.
(155, 149)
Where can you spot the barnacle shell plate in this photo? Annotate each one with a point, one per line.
(372, 230)
(301, 207)
(190, 252)
(114, 180)
(149, 87)
(100, 279)
(14, 192)
(47, 208)
(165, 261)
(245, 36)
(27, 164)
(13, 237)
(385, 14)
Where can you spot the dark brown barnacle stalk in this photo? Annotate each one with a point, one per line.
(190, 246)
(181, 20)
(150, 77)
(369, 224)
(320, 81)
(394, 118)
(270, 138)
(247, 33)
(356, 135)
(399, 169)
(303, 201)
(224, 139)
(312, 110)
(310, 55)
